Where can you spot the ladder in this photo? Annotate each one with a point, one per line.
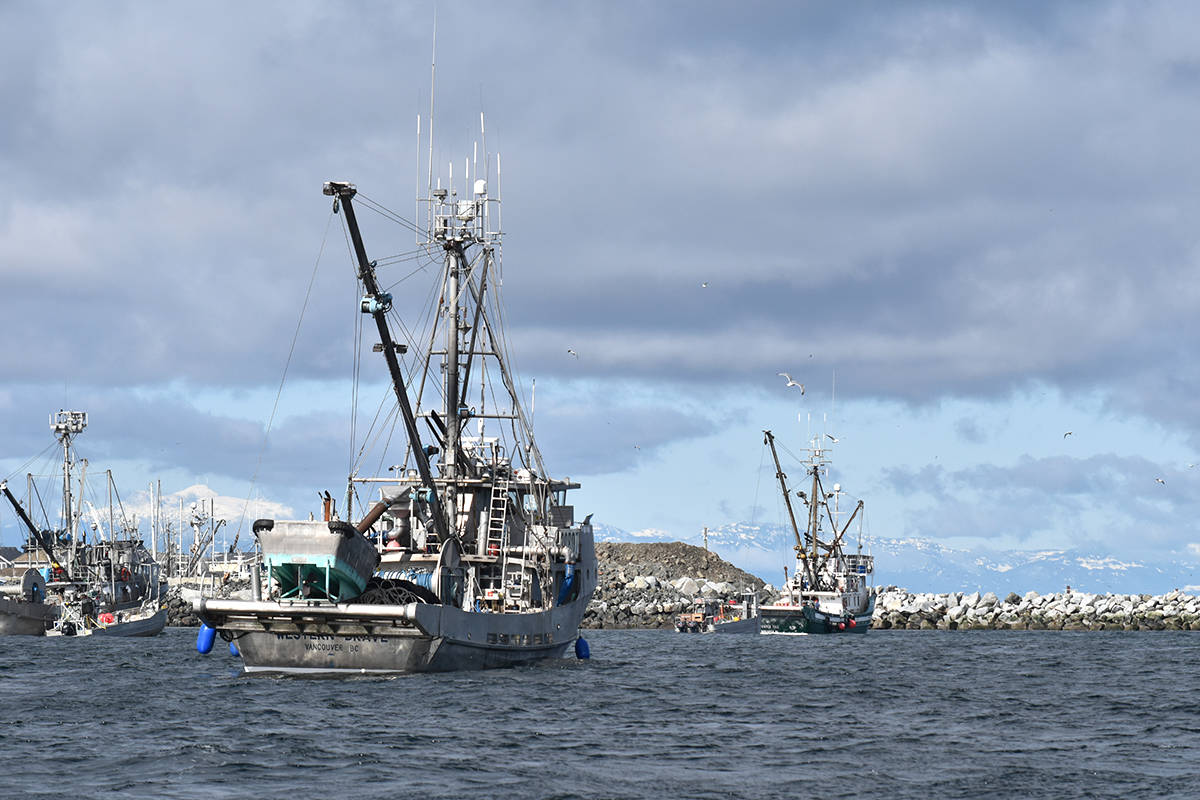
(497, 516)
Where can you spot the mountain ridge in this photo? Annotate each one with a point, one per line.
(925, 565)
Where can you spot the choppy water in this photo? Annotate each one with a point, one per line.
(654, 714)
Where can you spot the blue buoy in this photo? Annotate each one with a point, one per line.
(233, 651)
(204, 639)
(582, 651)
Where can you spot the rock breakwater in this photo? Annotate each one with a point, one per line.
(645, 584)
(1067, 611)
(178, 600)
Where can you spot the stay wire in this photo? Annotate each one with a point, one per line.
(25, 466)
(283, 378)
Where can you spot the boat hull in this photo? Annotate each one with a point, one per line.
(806, 620)
(748, 625)
(418, 637)
(142, 625)
(22, 618)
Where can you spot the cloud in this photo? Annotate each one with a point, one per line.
(935, 201)
(1094, 501)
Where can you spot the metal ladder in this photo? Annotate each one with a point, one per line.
(497, 516)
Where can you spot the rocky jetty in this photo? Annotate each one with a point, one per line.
(1066, 611)
(178, 600)
(645, 584)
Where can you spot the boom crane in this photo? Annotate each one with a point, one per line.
(43, 541)
(377, 303)
(769, 439)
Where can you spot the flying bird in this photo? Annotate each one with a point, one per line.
(833, 438)
(791, 382)
(572, 353)
(704, 285)
(1068, 433)
(1160, 480)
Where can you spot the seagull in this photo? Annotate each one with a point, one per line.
(1068, 433)
(1160, 480)
(833, 438)
(704, 285)
(572, 353)
(791, 382)
(1191, 465)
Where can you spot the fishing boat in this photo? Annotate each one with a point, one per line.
(719, 615)
(106, 584)
(23, 606)
(830, 590)
(468, 554)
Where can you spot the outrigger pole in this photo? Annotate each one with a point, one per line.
(377, 304)
(43, 542)
(769, 439)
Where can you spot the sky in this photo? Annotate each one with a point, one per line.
(967, 228)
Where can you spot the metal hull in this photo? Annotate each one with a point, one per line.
(21, 618)
(353, 639)
(146, 625)
(749, 625)
(805, 620)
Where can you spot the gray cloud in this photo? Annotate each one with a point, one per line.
(937, 199)
(1055, 495)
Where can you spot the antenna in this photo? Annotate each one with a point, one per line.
(487, 163)
(417, 185)
(833, 395)
(432, 94)
(499, 206)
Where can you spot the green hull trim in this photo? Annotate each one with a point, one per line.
(805, 620)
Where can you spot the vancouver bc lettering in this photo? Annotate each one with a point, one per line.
(330, 638)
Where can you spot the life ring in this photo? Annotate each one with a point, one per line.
(125, 574)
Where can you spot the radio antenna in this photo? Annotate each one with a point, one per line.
(432, 94)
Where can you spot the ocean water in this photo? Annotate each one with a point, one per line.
(653, 714)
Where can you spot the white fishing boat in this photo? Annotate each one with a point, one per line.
(830, 590)
(468, 555)
(92, 576)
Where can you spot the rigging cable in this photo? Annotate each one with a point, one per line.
(283, 378)
(762, 457)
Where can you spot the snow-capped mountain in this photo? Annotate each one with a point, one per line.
(921, 565)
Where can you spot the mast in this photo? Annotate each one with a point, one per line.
(769, 439)
(450, 408)
(816, 500)
(377, 303)
(66, 425)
